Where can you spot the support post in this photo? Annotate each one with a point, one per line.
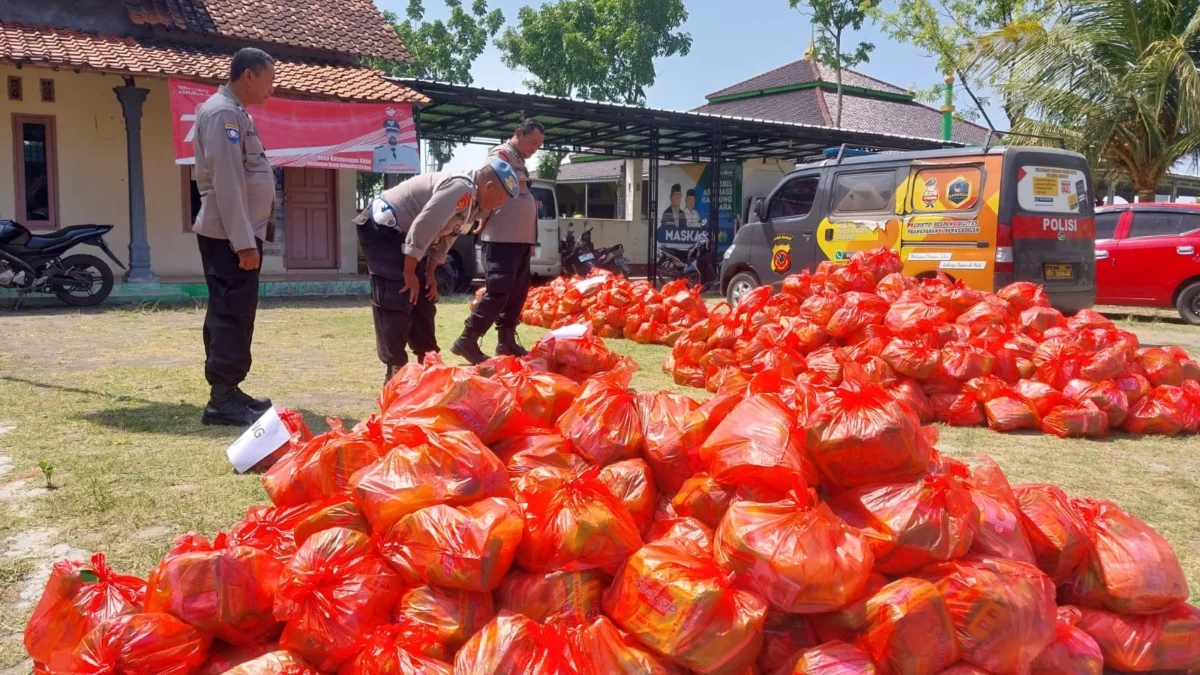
(714, 191)
(131, 99)
(652, 216)
(948, 110)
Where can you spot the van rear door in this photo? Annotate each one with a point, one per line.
(1047, 214)
(546, 261)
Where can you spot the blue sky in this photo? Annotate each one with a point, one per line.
(730, 42)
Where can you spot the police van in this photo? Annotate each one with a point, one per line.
(988, 216)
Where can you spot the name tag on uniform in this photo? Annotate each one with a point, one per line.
(233, 133)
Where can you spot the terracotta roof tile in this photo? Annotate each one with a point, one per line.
(803, 72)
(40, 45)
(342, 26)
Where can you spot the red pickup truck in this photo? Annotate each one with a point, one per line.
(1148, 255)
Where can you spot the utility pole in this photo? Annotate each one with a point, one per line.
(948, 109)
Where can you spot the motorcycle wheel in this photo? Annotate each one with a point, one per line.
(694, 279)
(85, 281)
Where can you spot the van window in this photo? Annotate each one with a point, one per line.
(1106, 224)
(1161, 224)
(545, 203)
(795, 198)
(864, 192)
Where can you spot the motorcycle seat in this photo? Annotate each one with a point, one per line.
(65, 235)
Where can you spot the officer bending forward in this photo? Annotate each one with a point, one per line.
(406, 233)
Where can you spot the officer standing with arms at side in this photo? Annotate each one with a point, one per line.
(508, 240)
(406, 233)
(237, 207)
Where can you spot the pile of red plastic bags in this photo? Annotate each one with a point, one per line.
(537, 517)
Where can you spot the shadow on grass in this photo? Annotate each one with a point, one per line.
(180, 419)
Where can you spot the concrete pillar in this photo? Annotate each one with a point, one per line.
(131, 99)
(633, 190)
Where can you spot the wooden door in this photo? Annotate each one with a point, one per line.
(310, 218)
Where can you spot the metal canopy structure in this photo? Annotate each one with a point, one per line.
(463, 114)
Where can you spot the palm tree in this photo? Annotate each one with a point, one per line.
(1118, 78)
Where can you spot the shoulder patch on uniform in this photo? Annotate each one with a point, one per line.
(463, 202)
(232, 132)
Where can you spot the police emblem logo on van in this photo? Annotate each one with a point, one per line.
(781, 253)
(232, 132)
(958, 192)
(930, 196)
(1062, 236)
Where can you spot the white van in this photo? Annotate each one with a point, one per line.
(466, 259)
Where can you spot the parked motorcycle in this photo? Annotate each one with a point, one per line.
(699, 266)
(34, 263)
(579, 259)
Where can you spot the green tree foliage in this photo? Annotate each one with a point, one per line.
(443, 50)
(832, 19)
(1118, 78)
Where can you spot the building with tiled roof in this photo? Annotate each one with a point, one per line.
(79, 73)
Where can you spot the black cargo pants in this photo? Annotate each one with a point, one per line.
(229, 320)
(506, 266)
(401, 324)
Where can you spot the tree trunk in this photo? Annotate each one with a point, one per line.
(1147, 195)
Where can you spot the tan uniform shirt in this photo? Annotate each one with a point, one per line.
(516, 221)
(430, 210)
(235, 180)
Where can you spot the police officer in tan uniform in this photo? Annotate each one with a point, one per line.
(237, 205)
(508, 237)
(406, 233)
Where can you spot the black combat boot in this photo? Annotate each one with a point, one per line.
(508, 345)
(467, 346)
(258, 405)
(391, 372)
(225, 409)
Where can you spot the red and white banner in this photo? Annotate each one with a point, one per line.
(379, 137)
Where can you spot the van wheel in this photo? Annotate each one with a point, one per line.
(741, 284)
(1189, 304)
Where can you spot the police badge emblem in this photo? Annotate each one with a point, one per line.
(233, 133)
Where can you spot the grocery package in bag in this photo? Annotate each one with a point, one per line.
(339, 511)
(785, 638)
(281, 662)
(451, 615)
(604, 423)
(1167, 641)
(632, 483)
(681, 527)
(1072, 651)
(512, 644)
(1058, 537)
(1000, 533)
(848, 622)
(333, 594)
(909, 628)
(272, 528)
(543, 453)
(759, 449)
(223, 657)
(224, 590)
(77, 598)
(542, 396)
(835, 658)
(795, 553)
(136, 644)
(673, 451)
(553, 596)
(704, 499)
(465, 547)
(677, 600)
(398, 649)
(599, 648)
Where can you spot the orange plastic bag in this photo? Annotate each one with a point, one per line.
(910, 525)
(512, 644)
(224, 590)
(1155, 413)
(912, 358)
(1166, 641)
(1058, 538)
(675, 598)
(1010, 413)
(77, 598)
(909, 394)
(785, 638)
(466, 547)
(604, 423)
(542, 396)
(451, 615)
(1022, 295)
(1043, 396)
(681, 527)
(1083, 420)
(704, 499)
(1000, 533)
(1107, 395)
(665, 418)
(574, 525)
(338, 511)
(578, 358)
(445, 399)
(1003, 611)
(847, 623)
(1128, 567)
(272, 529)
(863, 437)
(326, 471)
(398, 649)
(759, 450)
(280, 481)
(909, 628)
(1072, 651)
(333, 594)
(1161, 366)
(835, 658)
(632, 483)
(795, 553)
(858, 310)
(541, 454)
(225, 657)
(452, 468)
(136, 644)
(569, 596)
(600, 648)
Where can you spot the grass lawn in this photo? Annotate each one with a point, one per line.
(112, 400)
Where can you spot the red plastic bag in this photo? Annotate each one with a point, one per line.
(1010, 413)
(333, 594)
(1000, 533)
(325, 471)
(1038, 320)
(1043, 396)
(909, 394)
(910, 525)
(664, 418)
(451, 615)
(1161, 366)
(77, 598)
(466, 547)
(675, 599)
(675, 457)
(281, 482)
(964, 361)
(136, 644)
(1058, 361)
(1083, 420)
(1058, 537)
(759, 450)
(1003, 611)
(1185, 403)
(512, 644)
(542, 396)
(985, 314)
(632, 483)
(835, 658)
(1166, 641)
(681, 527)
(578, 358)
(223, 657)
(909, 628)
(224, 590)
(1157, 413)
(785, 639)
(543, 454)
(604, 423)
(1128, 567)
(334, 512)
(1107, 395)
(863, 437)
(795, 553)
(857, 311)
(555, 596)
(272, 528)
(1072, 651)
(397, 649)
(574, 525)
(1022, 295)
(452, 468)
(599, 648)
(912, 358)
(704, 499)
